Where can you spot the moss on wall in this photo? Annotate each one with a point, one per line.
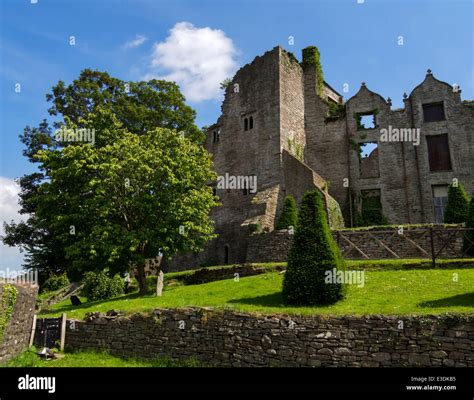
(296, 149)
(312, 57)
(9, 294)
(336, 220)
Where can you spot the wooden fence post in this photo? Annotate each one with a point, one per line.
(433, 254)
(33, 331)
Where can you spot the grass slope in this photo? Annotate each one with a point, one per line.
(417, 291)
(93, 359)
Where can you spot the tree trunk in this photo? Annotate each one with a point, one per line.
(141, 278)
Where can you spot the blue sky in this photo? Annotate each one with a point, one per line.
(138, 39)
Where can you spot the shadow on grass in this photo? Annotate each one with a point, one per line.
(465, 299)
(268, 300)
(89, 304)
(274, 300)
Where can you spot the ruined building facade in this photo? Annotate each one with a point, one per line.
(284, 125)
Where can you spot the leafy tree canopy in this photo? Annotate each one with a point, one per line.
(127, 198)
(138, 108)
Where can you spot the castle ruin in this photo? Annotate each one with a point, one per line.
(283, 124)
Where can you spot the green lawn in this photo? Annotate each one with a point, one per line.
(414, 291)
(93, 359)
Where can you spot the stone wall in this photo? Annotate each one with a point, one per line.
(17, 333)
(404, 176)
(225, 338)
(414, 243)
(290, 118)
(269, 247)
(386, 243)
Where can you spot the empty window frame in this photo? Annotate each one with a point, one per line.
(248, 123)
(438, 153)
(433, 112)
(226, 254)
(440, 200)
(216, 135)
(371, 212)
(366, 120)
(369, 160)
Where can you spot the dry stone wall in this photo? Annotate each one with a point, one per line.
(274, 246)
(17, 333)
(226, 338)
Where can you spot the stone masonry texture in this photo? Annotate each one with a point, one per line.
(233, 339)
(18, 330)
(293, 146)
(376, 243)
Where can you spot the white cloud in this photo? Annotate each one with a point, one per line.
(138, 41)
(10, 257)
(198, 59)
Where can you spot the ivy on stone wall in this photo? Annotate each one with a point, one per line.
(356, 147)
(335, 111)
(358, 118)
(370, 213)
(336, 219)
(312, 57)
(297, 149)
(7, 302)
(291, 56)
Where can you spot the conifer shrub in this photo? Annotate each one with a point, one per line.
(468, 246)
(313, 253)
(289, 214)
(457, 208)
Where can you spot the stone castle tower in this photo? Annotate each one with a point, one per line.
(283, 124)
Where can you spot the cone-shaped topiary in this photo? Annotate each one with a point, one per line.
(289, 214)
(312, 254)
(468, 245)
(458, 205)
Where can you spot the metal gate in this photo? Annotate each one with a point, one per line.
(47, 333)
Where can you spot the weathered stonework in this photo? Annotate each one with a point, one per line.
(294, 145)
(225, 338)
(17, 333)
(376, 243)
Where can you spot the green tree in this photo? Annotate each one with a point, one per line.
(289, 214)
(126, 199)
(55, 282)
(101, 286)
(139, 106)
(468, 245)
(313, 255)
(457, 208)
